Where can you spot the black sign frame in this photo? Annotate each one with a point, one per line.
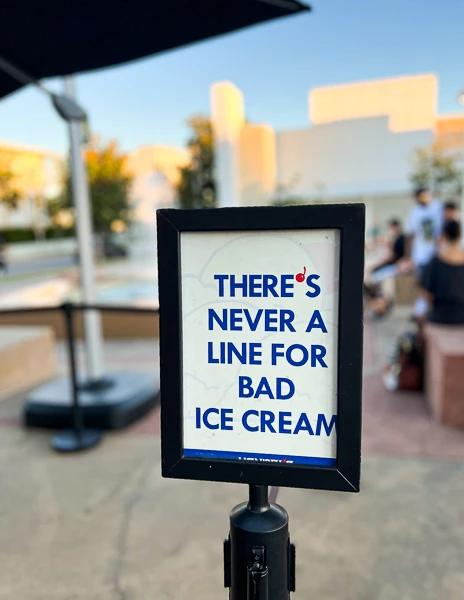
(349, 219)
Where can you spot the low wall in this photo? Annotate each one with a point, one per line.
(444, 375)
(115, 324)
(27, 358)
(40, 249)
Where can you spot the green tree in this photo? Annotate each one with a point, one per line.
(289, 201)
(438, 170)
(109, 184)
(196, 187)
(9, 195)
(286, 196)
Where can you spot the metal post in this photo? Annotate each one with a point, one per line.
(80, 189)
(77, 417)
(259, 560)
(77, 438)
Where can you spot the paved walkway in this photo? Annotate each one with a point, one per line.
(105, 526)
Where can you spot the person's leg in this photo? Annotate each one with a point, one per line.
(384, 273)
(371, 291)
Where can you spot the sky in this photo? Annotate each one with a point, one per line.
(275, 65)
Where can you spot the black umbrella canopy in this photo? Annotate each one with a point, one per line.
(46, 38)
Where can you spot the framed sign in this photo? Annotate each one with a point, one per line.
(261, 316)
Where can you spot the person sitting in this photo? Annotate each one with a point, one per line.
(441, 300)
(442, 284)
(378, 304)
(397, 248)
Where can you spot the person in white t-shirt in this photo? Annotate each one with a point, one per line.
(423, 229)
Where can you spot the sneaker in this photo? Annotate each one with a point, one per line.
(390, 380)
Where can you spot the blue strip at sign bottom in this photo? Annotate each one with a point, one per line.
(278, 458)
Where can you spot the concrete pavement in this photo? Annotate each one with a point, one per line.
(104, 525)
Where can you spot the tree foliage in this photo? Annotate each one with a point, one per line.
(9, 194)
(289, 201)
(196, 187)
(439, 170)
(109, 185)
(286, 194)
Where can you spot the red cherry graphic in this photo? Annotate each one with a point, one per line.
(300, 277)
(284, 460)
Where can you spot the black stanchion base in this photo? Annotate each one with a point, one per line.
(259, 560)
(70, 441)
(131, 396)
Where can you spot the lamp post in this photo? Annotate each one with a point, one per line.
(109, 400)
(80, 188)
(76, 117)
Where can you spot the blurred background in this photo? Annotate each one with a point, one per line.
(351, 102)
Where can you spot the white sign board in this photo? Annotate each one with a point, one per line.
(260, 345)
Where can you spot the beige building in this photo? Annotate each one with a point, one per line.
(37, 175)
(449, 132)
(245, 154)
(410, 103)
(156, 171)
(358, 146)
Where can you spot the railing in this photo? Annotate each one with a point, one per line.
(68, 310)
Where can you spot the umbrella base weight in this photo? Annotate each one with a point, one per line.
(70, 441)
(131, 396)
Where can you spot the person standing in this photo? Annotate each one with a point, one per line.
(423, 229)
(451, 212)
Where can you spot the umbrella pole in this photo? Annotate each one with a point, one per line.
(80, 192)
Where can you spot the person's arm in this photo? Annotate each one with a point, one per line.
(440, 220)
(404, 266)
(423, 304)
(424, 301)
(408, 245)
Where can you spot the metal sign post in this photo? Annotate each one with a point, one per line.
(261, 365)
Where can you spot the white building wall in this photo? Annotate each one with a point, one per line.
(356, 159)
(155, 171)
(346, 158)
(359, 148)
